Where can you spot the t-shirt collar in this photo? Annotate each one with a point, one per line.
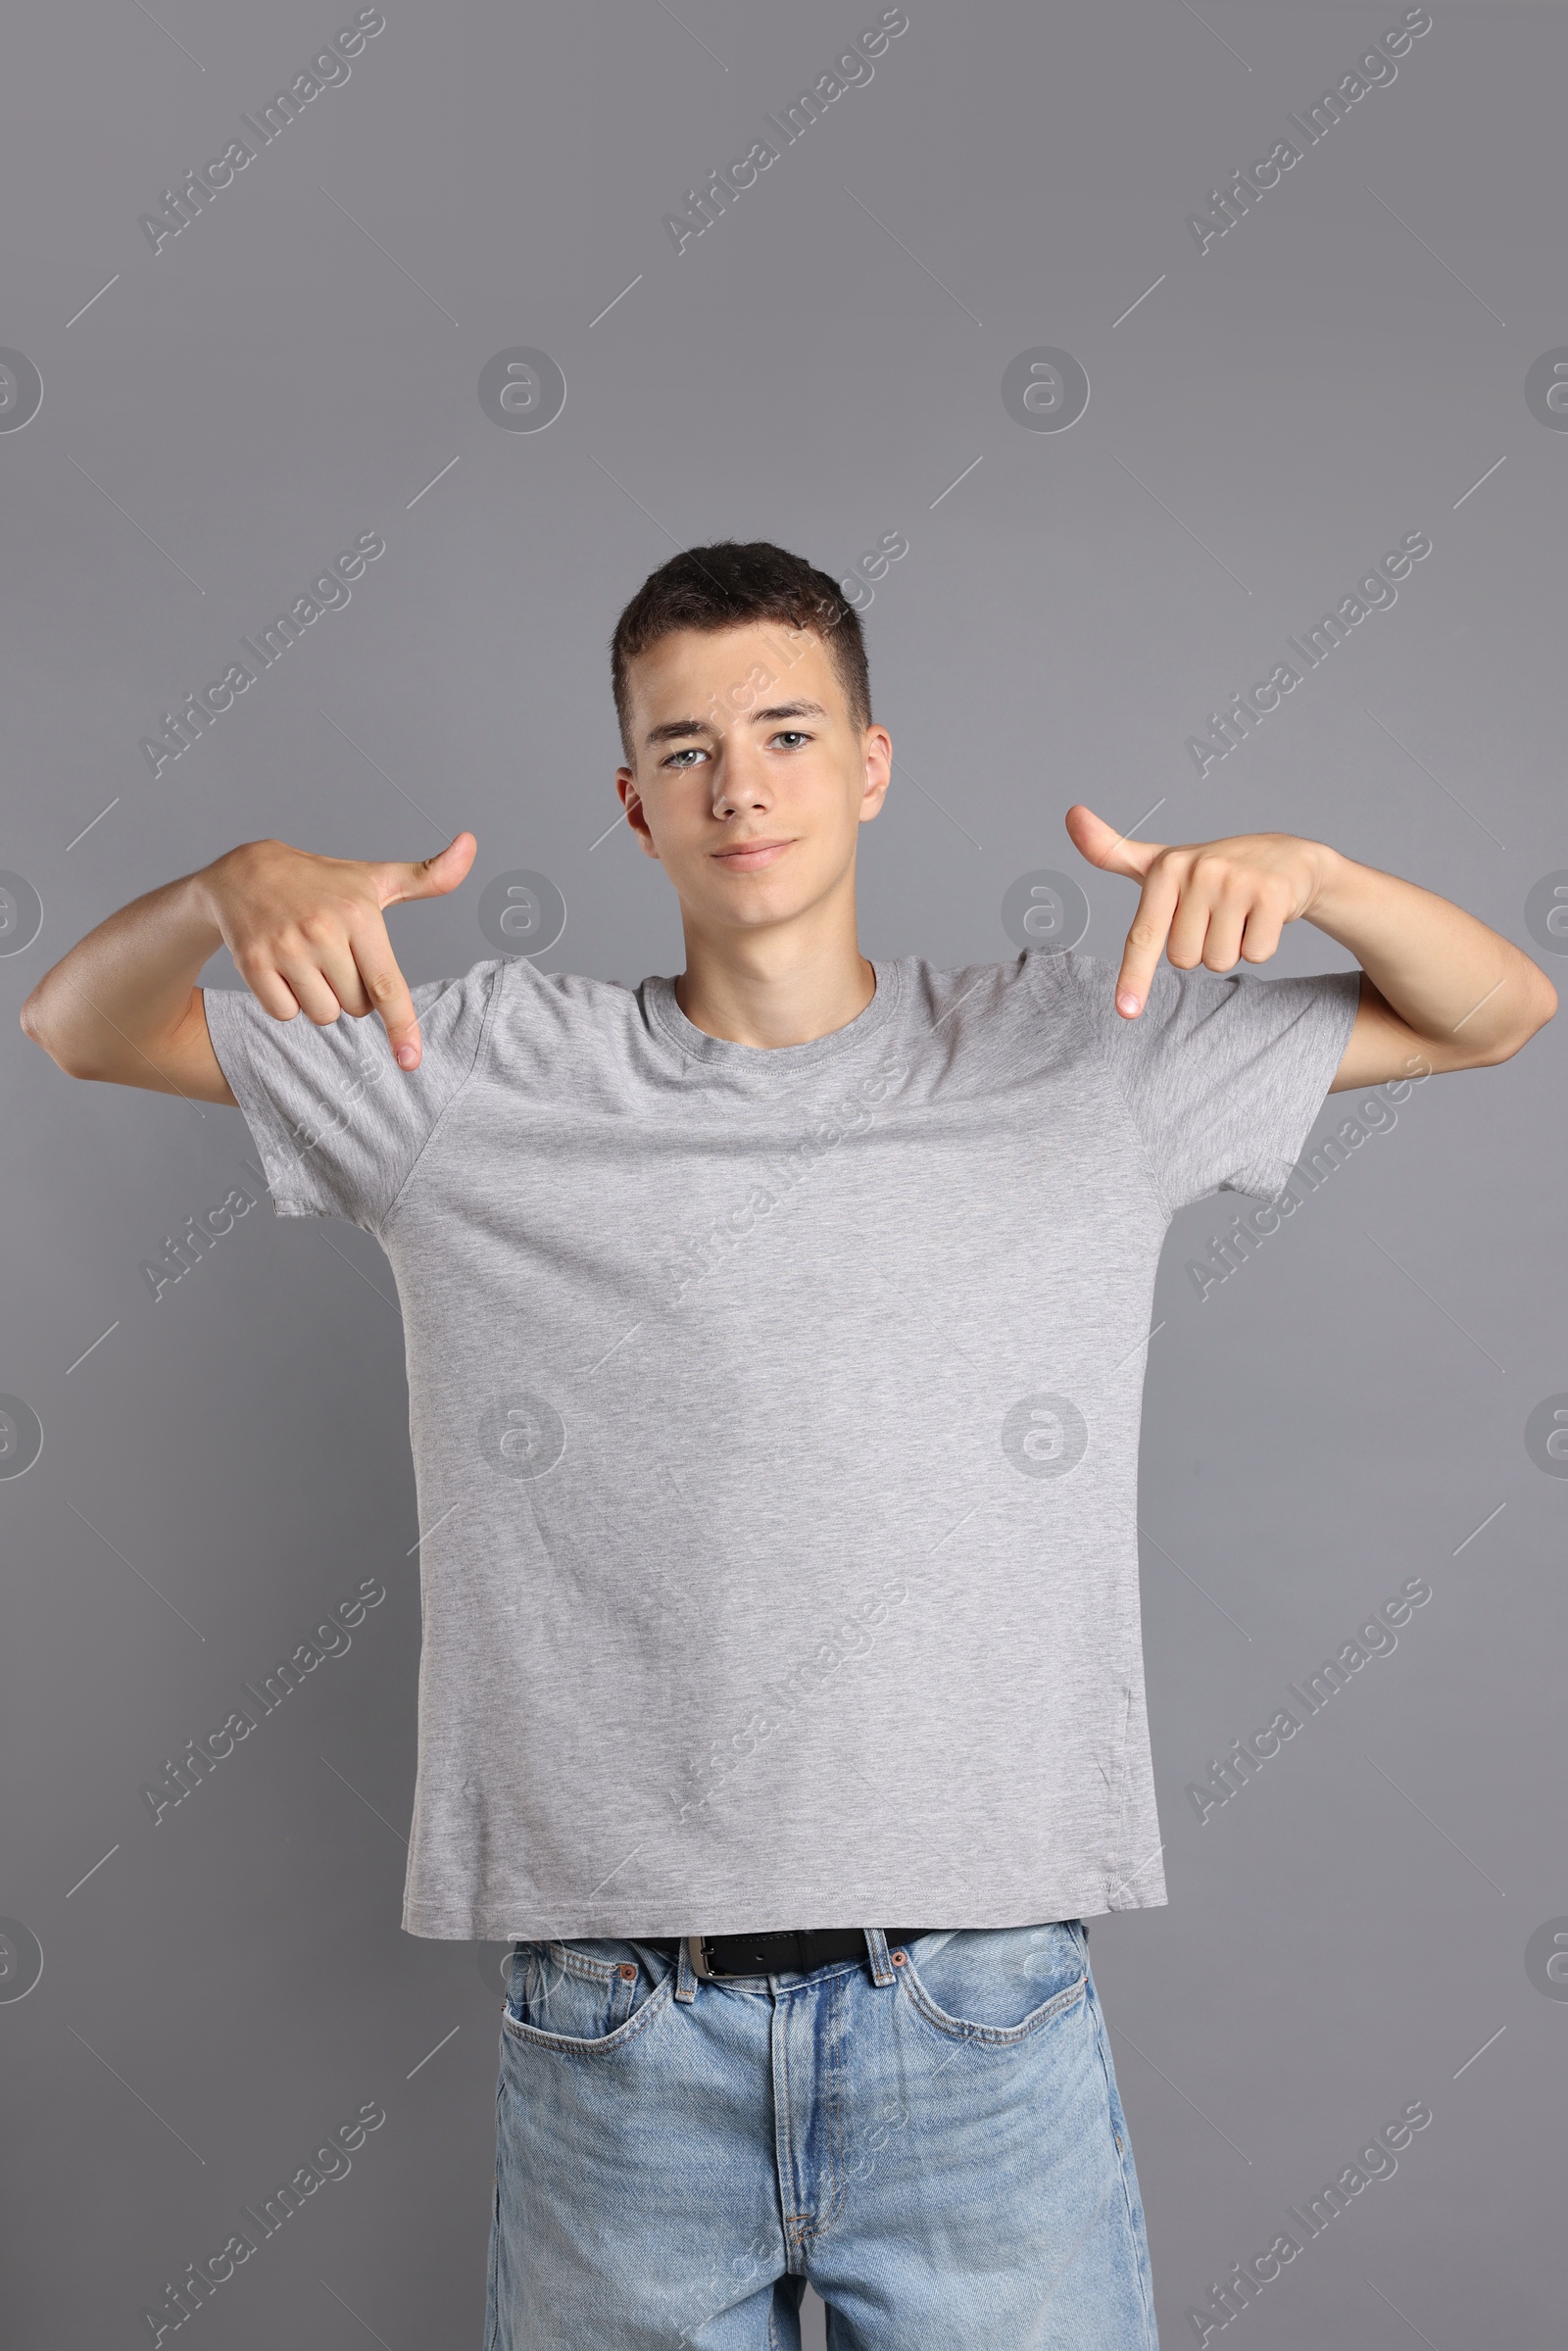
(666, 1019)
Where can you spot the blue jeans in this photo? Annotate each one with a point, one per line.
(931, 2136)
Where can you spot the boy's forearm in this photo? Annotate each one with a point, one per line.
(1445, 974)
(127, 983)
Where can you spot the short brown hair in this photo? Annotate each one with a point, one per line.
(725, 586)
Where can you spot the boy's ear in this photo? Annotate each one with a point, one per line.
(631, 802)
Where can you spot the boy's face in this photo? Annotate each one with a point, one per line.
(749, 780)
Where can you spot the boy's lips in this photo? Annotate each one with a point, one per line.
(749, 857)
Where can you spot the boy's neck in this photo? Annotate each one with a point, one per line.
(774, 988)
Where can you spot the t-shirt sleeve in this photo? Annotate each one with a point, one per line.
(337, 1124)
(1222, 1073)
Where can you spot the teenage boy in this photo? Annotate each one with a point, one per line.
(774, 1343)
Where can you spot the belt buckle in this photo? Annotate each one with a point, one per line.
(697, 1946)
(701, 1964)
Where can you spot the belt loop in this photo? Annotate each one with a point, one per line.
(685, 1972)
(881, 1965)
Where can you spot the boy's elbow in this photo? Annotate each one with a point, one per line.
(33, 1024)
(1544, 1005)
(1539, 1006)
(37, 1025)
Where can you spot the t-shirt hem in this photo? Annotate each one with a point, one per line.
(664, 1918)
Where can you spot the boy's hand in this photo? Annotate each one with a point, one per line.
(307, 933)
(1210, 902)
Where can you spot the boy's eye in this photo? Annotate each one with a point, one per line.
(787, 738)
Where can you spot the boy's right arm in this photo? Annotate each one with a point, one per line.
(306, 934)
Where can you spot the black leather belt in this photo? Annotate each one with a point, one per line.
(784, 1952)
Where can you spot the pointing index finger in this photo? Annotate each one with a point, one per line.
(1145, 940)
(388, 991)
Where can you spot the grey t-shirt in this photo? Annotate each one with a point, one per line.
(775, 1420)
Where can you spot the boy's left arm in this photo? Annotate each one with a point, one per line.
(1438, 986)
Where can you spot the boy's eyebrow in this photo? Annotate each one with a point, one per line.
(674, 728)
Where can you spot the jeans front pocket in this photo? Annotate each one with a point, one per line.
(996, 1984)
(591, 1996)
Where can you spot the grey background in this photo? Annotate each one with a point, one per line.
(1343, 1413)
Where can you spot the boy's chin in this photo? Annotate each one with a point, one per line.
(748, 904)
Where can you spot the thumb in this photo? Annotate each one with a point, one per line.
(425, 877)
(1108, 849)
